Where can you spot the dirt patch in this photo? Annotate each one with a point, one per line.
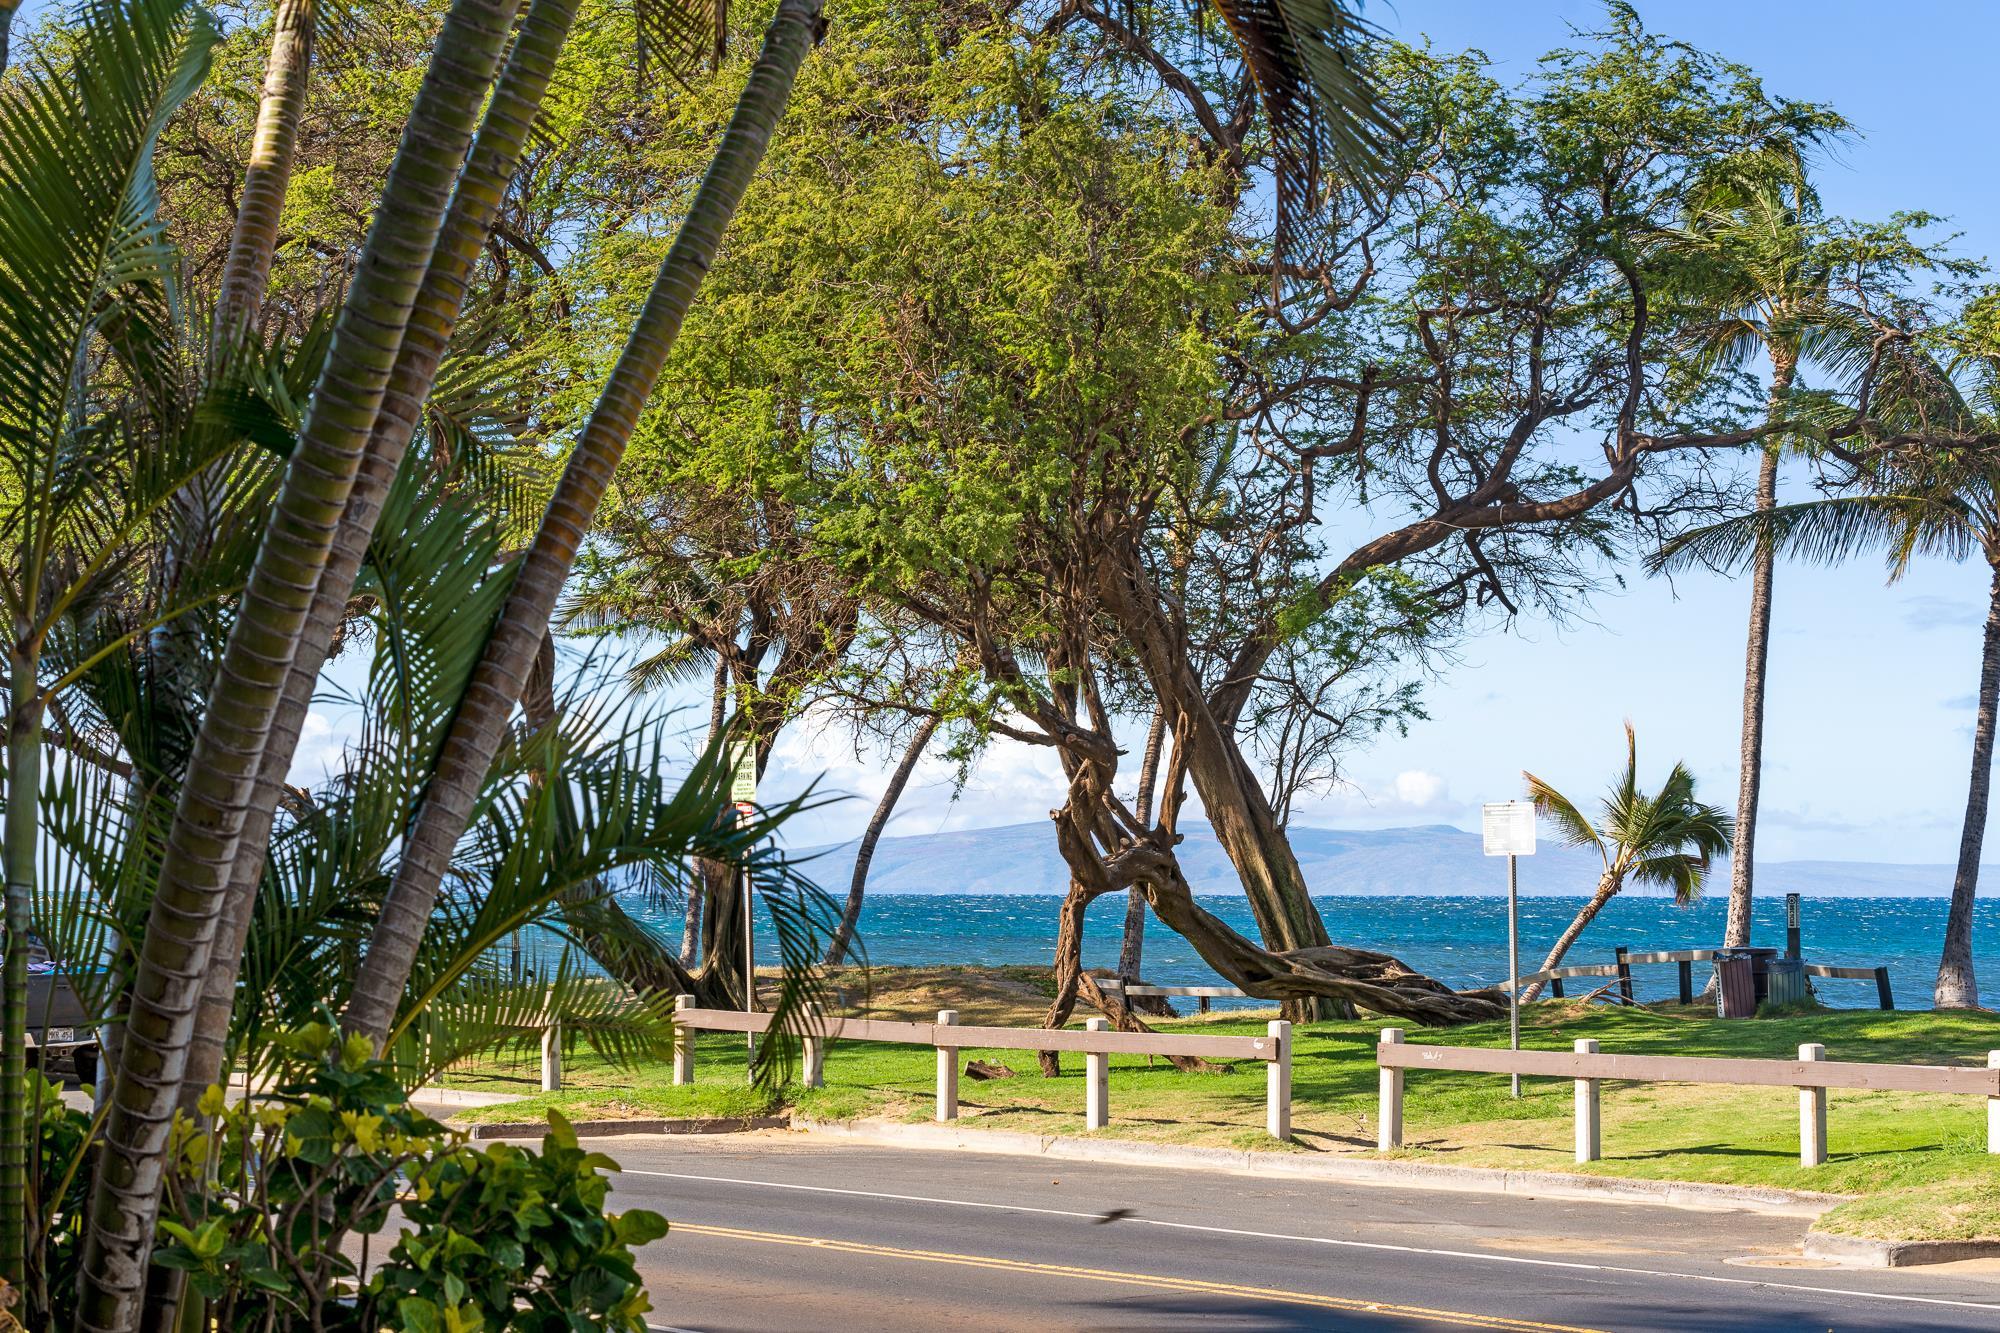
(983, 996)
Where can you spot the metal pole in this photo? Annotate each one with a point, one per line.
(749, 976)
(1513, 966)
(1791, 925)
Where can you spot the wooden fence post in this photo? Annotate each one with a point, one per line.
(552, 1057)
(1589, 1125)
(1278, 1083)
(1389, 1109)
(1882, 994)
(1556, 987)
(1624, 975)
(815, 1055)
(1993, 1109)
(1686, 969)
(683, 1043)
(1096, 1082)
(947, 1070)
(1812, 1113)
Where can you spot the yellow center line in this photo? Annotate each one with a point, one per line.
(1195, 1286)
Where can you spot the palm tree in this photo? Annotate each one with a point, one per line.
(253, 240)
(1766, 276)
(85, 273)
(1936, 491)
(1666, 839)
(516, 638)
(496, 152)
(176, 948)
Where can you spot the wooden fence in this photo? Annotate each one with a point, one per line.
(1621, 970)
(1685, 959)
(1201, 995)
(1812, 1074)
(1097, 1042)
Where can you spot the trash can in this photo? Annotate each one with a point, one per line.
(1785, 981)
(1760, 969)
(1735, 984)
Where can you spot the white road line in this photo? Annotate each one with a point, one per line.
(1324, 1240)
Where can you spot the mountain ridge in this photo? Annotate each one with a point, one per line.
(1428, 860)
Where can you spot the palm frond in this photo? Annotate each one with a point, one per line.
(1825, 531)
(1573, 829)
(1324, 105)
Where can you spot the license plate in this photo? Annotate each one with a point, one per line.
(57, 1036)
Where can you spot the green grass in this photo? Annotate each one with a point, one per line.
(1919, 1159)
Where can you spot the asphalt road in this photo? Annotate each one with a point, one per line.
(773, 1233)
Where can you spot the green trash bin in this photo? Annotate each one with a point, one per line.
(1784, 980)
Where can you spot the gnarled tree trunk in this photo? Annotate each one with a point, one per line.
(1131, 948)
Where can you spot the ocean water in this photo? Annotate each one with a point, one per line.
(1462, 941)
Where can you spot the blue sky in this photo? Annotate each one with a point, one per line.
(1869, 727)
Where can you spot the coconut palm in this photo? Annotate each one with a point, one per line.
(1933, 489)
(1666, 839)
(1766, 282)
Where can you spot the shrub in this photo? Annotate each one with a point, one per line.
(266, 1194)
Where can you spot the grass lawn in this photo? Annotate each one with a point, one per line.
(1918, 1160)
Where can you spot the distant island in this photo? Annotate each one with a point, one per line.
(1434, 860)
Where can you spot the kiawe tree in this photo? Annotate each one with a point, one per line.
(1059, 406)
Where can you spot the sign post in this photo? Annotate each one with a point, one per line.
(743, 791)
(1792, 925)
(1507, 829)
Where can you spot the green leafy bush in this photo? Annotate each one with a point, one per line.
(267, 1192)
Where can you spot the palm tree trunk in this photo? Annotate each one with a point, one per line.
(246, 269)
(496, 153)
(496, 682)
(178, 945)
(843, 935)
(7, 10)
(1957, 987)
(1133, 946)
(1608, 885)
(24, 757)
(1756, 654)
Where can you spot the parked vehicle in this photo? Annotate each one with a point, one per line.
(59, 1025)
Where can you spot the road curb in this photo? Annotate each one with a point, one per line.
(598, 1129)
(1860, 1252)
(1345, 1170)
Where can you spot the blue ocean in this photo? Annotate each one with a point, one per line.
(1461, 940)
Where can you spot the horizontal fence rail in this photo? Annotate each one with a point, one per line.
(1201, 995)
(1812, 1074)
(1684, 960)
(1097, 1042)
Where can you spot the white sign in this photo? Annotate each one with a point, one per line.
(1508, 827)
(743, 783)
